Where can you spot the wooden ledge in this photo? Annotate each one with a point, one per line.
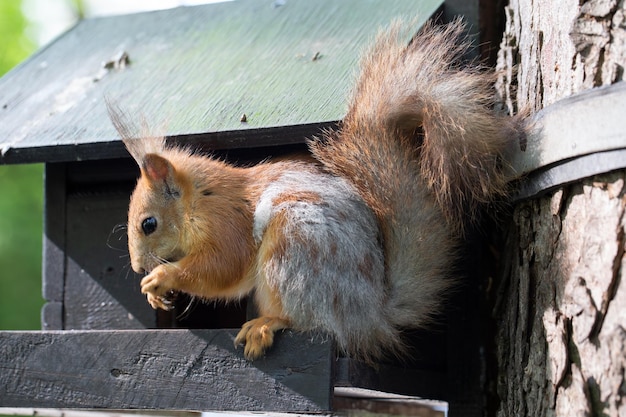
(163, 369)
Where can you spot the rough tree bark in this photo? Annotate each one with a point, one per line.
(553, 49)
(559, 304)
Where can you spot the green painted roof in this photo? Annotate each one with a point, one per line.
(193, 72)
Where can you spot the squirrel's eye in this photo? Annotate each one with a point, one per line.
(149, 225)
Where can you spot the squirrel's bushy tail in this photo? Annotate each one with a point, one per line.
(422, 145)
(419, 90)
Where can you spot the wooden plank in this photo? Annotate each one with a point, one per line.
(162, 369)
(349, 400)
(54, 246)
(275, 137)
(64, 412)
(101, 290)
(194, 70)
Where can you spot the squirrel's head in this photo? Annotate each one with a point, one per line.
(182, 202)
(156, 215)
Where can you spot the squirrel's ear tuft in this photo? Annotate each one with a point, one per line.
(121, 120)
(138, 140)
(141, 147)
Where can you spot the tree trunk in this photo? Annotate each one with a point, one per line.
(553, 49)
(559, 303)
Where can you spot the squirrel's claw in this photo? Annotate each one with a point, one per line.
(258, 335)
(159, 302)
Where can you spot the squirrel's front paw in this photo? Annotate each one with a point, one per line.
(258, 335)
(157, 290)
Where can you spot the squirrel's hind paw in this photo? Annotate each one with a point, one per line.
(258, 335)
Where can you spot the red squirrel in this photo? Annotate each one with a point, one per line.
(357, 241)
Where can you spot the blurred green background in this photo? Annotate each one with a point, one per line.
(21, 192)
(21, 201)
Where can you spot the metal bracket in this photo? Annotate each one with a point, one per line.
(575, 138)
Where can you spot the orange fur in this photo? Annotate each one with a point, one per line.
(266, 295)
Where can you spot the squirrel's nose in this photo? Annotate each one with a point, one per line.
(138, 268)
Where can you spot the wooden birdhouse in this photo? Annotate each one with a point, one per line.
(245, 80)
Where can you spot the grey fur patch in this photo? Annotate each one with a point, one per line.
(332, 274)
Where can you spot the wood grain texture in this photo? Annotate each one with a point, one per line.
(101, 291)
(192, 71)
(164, 369)
(53, 278)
